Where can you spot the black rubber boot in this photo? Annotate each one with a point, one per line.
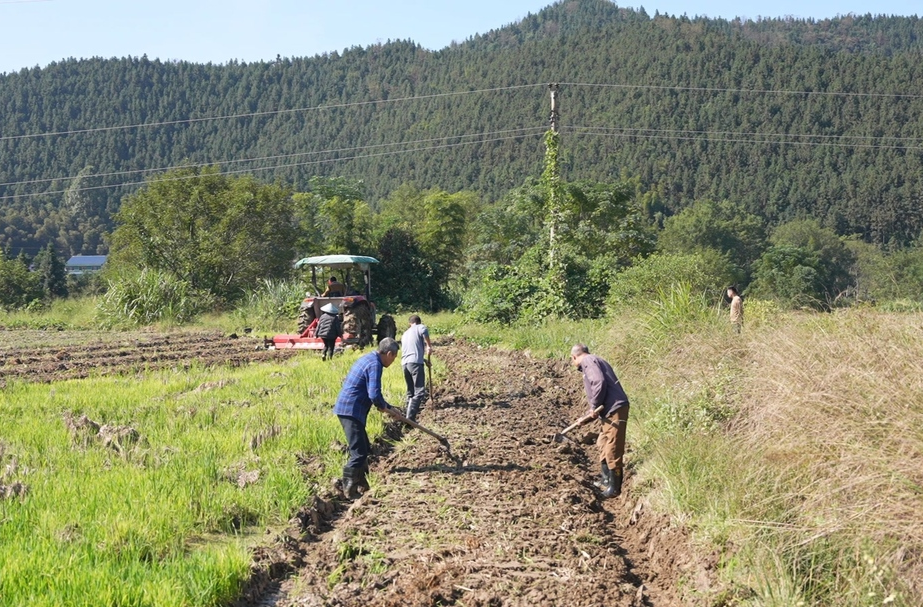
(350, 483)
(603, 482)
(615, 484)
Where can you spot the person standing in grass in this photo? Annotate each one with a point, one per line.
(603, 389)
(362, 389)
(415, 351)
(329, 328)
(737, 308)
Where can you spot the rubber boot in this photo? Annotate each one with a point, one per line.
(413, 407)
(350, 483)
(615, 484)
(603, 482)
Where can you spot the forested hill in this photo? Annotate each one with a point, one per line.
(787, 117)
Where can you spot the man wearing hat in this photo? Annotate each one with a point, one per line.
(329, 328)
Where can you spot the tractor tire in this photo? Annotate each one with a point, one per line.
(305, 318)
(357, 320)
(386, 327)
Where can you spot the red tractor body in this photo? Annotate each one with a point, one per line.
(357, 310)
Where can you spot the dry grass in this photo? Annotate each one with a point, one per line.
(812, 471)
(835, 405)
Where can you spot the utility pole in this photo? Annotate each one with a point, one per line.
(551, 176)
(553, 87)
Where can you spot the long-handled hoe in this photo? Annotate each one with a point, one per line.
(560, 436)
(395, 414)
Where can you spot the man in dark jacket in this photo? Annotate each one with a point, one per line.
(329, 328)
(362, 389)
(603, 389)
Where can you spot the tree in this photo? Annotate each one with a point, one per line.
(720, 226)
(834, 259)
(52, 273)
(219, 234)
(788, 274)
(18, 286)
(405, 278)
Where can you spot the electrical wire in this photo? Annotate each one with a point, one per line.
(744, 91)
(524, 130)
(454, 94)
(697, 136)
(539, 131)
(265, 113)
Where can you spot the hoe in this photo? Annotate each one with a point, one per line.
(395, 414)
(560, 436)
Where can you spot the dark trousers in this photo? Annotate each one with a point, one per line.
(329, 346)
(415, 377)
(358, 442)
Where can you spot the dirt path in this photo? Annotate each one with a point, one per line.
(518, 523)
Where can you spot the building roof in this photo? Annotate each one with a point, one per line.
(86, 260)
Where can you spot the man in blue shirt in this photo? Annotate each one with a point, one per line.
(361, 390)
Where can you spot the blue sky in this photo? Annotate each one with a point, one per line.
(37, 32)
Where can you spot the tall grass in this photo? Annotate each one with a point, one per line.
(273, 306)
(70, 313)
(151, 297)
(166, 519)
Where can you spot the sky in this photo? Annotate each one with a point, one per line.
(37, 32)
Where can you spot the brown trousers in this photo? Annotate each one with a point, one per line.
(611, 441)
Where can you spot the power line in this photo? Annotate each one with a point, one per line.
(538, 131)
(759, 138)
(265, 113)
(524, 130)
(746, 91)
(851, 141)
(454, 94)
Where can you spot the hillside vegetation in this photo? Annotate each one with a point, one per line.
(785, 118)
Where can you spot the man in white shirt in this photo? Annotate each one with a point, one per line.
(415, 351)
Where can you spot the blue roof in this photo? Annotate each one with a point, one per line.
(86, 260)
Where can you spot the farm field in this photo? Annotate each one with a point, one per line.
(515, 520)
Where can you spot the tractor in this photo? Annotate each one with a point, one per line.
(356, 309)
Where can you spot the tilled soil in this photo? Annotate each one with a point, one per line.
(508, 518)
(49, 356)
(511, 519)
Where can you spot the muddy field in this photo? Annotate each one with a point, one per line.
(512, 519)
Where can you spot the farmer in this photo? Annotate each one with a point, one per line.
(334, 288)
(415, 351)
(362, 389)
(737, 308)
(604, 389)
(329, 328)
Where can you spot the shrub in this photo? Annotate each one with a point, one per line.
(151, 296)
(705, 272)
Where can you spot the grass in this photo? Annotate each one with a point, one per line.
(168, 520)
